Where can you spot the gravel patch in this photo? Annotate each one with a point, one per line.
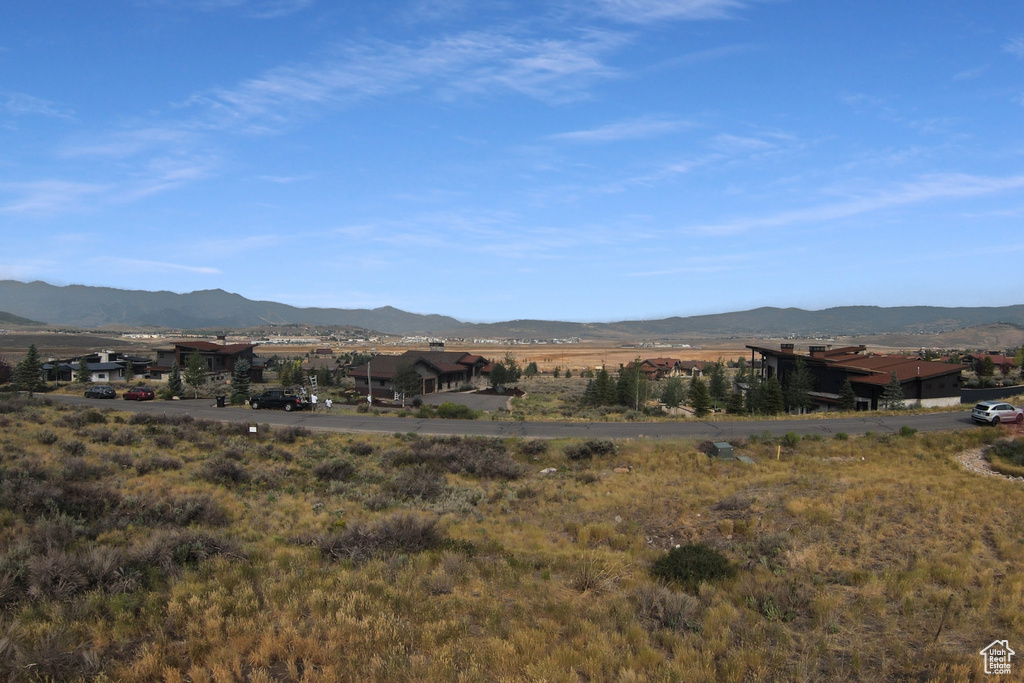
(973, 461)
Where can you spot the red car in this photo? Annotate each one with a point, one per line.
(139, 394)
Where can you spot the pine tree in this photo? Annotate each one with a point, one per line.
(700, 397)
(892, 395)
(240, 382)
(28, 374)
(718, 386)
(407, 381)
(82, 374)
(633, 388)
(174, 385)
(512, 368)
(755, 393)
(772, 401)
(195, 372)
(734, 405)
(799, 384)
(129, 370)
(847, 397)
(673, 393)
(741, 370)
(6, 371)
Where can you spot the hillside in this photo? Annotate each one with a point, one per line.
(95, 307)
(154, 546)
(92, 307)
(11, 319)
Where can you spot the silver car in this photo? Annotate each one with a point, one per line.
(994, 412)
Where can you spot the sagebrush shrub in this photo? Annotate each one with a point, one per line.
(155, 463)
(335, 469)
(485, 458)
(219, 470)
(290, 434)
(398, 533)
(658, 606)
(419, 481)
(361, 448)
(533, 447)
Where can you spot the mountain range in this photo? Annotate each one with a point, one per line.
(104, 307)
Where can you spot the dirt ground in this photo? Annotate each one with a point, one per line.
(588, 354)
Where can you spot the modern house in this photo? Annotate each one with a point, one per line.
(219, 359)
(976, 361)
(438, 370)
(102, 366)
(659, 368)
(924, 383)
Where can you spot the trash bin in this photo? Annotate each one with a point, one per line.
(221, 401)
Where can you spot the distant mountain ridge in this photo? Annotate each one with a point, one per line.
(92, 307)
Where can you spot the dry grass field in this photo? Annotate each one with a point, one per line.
(143, 548)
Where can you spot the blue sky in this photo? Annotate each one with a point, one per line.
(586, 160)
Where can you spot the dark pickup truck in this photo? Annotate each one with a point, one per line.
(278, 398)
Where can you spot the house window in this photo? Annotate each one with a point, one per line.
(383, 382)
(102, 375)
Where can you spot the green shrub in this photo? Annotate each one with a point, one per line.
(456, 411)
(906, 431)
(1011, 451)
(790, 439)
(693, 564)
(588, 449)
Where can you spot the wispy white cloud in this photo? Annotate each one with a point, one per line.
(624, 130)
(970, 74)
(937, 187)
(257, 9)
(47, 196)
(284, 180)
(469, 63)
(127, 143)
(159, 266)
(22, 104)
(647, 11)
(1015, 46)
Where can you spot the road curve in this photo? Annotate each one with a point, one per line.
(686, 429)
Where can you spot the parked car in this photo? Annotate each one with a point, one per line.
(994, 412)
(278, 398)
(139, 394)
(101, 391)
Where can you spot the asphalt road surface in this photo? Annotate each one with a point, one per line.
(687, 429)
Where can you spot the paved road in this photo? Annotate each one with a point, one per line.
(691, 429)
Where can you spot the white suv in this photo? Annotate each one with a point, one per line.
(994, 412)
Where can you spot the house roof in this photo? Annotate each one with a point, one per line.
(211, 347)
(997, 358)
(907, 369)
